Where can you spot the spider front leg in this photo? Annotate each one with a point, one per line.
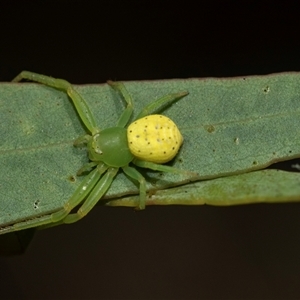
(147, 110)
(57, 218)
(96, 194)
(61, 84)
(125, 116)
(159, 103)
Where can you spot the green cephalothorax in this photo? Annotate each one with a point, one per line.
(148, 142)
(111, 147)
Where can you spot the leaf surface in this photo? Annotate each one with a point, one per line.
(230, 126)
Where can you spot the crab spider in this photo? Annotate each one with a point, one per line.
(148, 142)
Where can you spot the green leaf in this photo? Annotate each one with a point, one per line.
(268, 186)
(230, 126)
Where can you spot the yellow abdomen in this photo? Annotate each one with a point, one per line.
(154, 138)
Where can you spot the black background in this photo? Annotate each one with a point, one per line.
(203, 252)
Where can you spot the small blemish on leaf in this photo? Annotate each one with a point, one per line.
(72, 178)
(266, 89)
(36, 204)
(209, 128)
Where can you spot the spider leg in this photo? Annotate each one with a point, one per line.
(134, 174)
(82, 141)
(125, 116)
(161, 168)
(54, 219)
(96, 194)
(86, 167)
(79, 103)
(159, 103)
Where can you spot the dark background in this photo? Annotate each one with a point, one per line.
(203, 252)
